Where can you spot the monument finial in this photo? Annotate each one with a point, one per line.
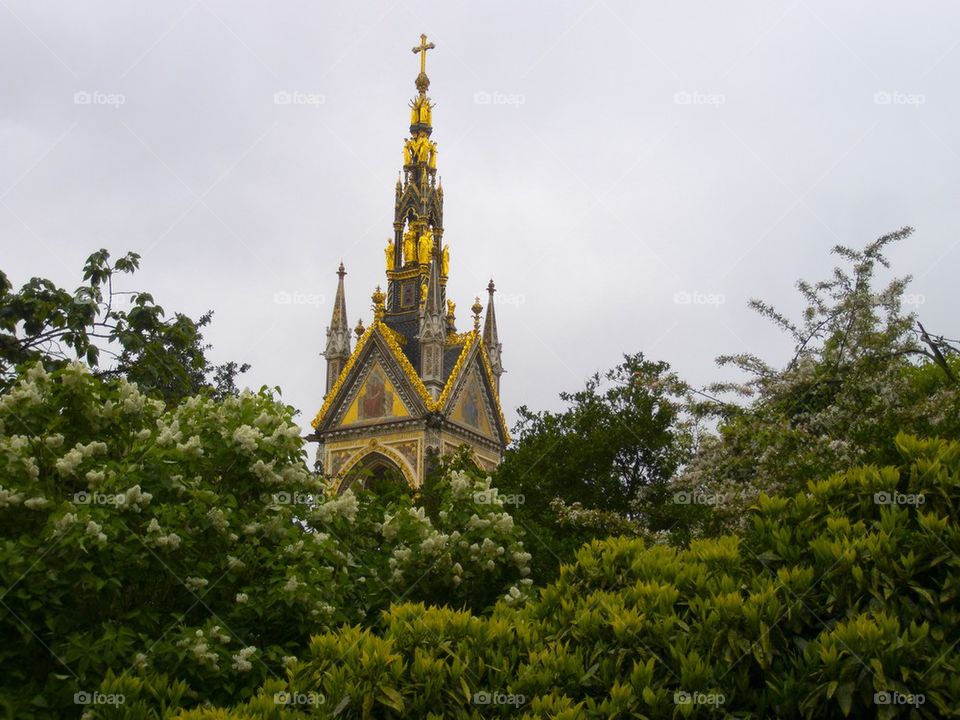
(423, 82)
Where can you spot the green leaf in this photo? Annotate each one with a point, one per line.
(391, 698)
(845, 698)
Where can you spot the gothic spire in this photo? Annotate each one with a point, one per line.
(491, 341)
(338, 334)
(433, 331)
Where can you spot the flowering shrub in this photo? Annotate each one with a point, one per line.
(191, 552)
(863, 369)
(837, 602)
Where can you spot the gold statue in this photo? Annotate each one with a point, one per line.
(406, 153)
(451, 308)
(388, 251)
(410, 246)
(425, 247)
(423, 292)
(433, 156)
(422, 148)
(425, 113)
(414, 115)
(445, 261)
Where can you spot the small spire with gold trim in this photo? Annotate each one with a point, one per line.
(491, 341)
(338, 333)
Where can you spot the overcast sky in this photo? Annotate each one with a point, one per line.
(630, 174)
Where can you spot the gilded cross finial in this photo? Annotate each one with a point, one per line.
(422, 49)
(423, 82)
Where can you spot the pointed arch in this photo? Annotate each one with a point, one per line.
(380, 461)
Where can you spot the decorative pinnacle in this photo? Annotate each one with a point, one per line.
(477, 309)
(341, 272)
(378, 297)
(359, 329)
(491, 288)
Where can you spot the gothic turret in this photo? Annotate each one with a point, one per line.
(338, 334)
(490, 339)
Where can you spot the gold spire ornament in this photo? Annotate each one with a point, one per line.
(359, 330)
(423, 82)
(378, 297)
(477, 309)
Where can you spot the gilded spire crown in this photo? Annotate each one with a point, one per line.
(421, 107)
(418, 210)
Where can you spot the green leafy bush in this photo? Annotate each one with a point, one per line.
(840, 601)
(190, 552)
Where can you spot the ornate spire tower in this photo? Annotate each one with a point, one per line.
(417, 211)
(413, 388)
(338, 335)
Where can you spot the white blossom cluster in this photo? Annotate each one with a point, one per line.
(157, 538)
(16, 450)
(344, 505)
(241, 660)
(202, 646)
(474, 532)
(68, 464)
